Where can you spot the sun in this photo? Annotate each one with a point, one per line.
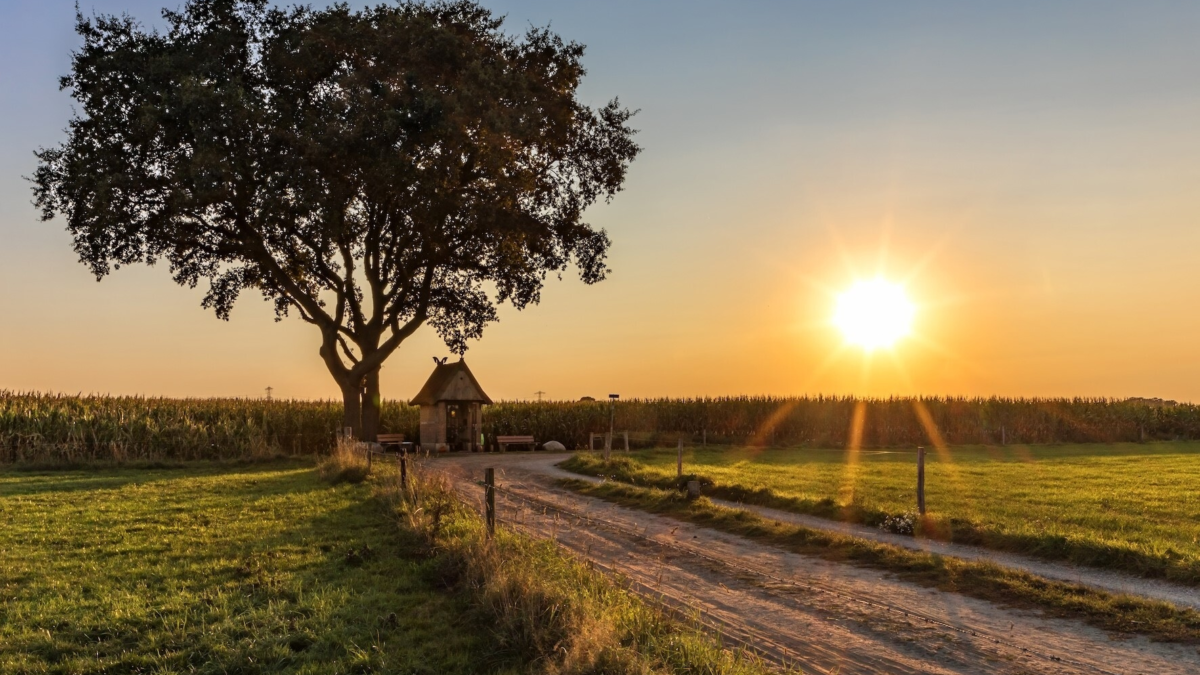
(874, 313)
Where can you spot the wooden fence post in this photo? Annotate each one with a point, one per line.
(403, 470)
(626, 441)
(921, 480)
(489, 487)
(679, 460)
(704, 438)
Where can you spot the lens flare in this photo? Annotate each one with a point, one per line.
(874, 313)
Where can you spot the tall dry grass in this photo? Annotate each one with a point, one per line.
(347, 463)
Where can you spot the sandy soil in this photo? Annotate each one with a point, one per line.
(798, 610)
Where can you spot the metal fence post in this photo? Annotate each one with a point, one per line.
(489, 488)
(921, 480)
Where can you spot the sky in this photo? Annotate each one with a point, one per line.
(1027, 171)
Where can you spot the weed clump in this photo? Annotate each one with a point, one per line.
(901, 523)
(346, 464)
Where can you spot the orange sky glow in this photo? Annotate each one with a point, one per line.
(1032, 188)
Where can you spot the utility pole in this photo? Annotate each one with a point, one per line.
(269, 390)
(539, 395)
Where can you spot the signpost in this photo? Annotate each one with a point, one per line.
(612, 412)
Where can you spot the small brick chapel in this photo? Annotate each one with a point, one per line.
(451, 409)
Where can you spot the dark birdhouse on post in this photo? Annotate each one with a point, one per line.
(451, 409)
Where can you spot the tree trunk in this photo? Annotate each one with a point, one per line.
(352, 408)
(370, 406)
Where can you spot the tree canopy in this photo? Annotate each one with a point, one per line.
(369, 171)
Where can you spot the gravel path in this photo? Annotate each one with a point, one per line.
(822, 616)
(1114, 582)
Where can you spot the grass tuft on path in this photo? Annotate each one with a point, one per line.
(1126, 507)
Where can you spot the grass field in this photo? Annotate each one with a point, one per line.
(213, 570)
(1133, 507)
(267, 568)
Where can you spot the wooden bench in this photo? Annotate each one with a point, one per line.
(396, 440)
(505, 441)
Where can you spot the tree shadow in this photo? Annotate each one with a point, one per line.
(22, 482)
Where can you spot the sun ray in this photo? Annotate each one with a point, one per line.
(945, 458)
(762, 436)
(850, 474)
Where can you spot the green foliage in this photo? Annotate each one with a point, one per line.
(1129, 507)
(210, 570)
(1121, 614)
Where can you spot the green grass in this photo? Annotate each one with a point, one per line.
(268, 568)
(1119, 614)
(1128, 507)
(218, 569)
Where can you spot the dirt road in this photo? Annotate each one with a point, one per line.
(820, 616)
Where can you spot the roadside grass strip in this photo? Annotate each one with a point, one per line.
(546, 607)
(1131, 508)
(1118, 614)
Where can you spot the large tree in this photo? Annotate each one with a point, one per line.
(369, 171)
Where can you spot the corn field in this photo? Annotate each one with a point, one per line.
(49, 428)
(823, 421)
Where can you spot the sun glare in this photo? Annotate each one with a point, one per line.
(874, 313)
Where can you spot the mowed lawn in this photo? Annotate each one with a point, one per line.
(215, 569)
(1127, 506)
